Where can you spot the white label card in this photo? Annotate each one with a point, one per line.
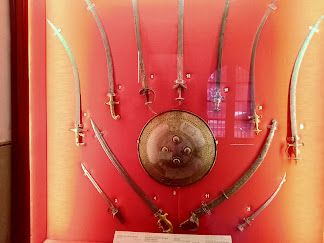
(143, 237)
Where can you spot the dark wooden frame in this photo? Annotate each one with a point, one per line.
(20, 123)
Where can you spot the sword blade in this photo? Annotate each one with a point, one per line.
(218, 99)
(76, 77)
(121, 169)
(220, 44)
(104, 38)
(162, 222)
(180, 40)
(146, 91)
(113, 209)
(193, 221)
(266, 204)
(109, 60)
(141, 66)
(270, 9)
(294, 76)
(249, 219)
(295, 142)
(180, 83)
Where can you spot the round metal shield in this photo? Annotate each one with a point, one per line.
(177, 148)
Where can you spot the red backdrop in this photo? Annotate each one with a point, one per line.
(64, 206)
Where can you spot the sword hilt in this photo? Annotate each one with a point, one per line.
(147, 93)
(164, 224)
(190, 224)
(112, 104)
(180, 85)
(78, 134)
(256, 119)
(295, 144)
(247, 222)
(218, 100)
(116, 214)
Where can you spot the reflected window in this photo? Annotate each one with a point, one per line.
(216, 119)
(242, 124)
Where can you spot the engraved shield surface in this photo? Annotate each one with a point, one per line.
(177, 148)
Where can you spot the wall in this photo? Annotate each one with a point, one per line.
(5, 125)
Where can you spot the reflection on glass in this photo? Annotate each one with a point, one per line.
(242, 125)
(216, 119)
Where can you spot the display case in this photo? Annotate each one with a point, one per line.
(67, 47)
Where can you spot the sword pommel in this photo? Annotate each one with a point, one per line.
(78, 134)
(164, 224)
(112, 104)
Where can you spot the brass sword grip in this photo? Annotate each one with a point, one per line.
(256, 119)
(112, 104)
(163, 222)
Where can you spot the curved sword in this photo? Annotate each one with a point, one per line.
(164, 224)
(193, 222)
(256, 119)
(219, 98)
(110, 68)
(248, 220)
(114, 211)
(142, 78)
(295, 139)
(78, 126)
(180, 83)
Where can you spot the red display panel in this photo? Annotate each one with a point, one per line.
(65, 206)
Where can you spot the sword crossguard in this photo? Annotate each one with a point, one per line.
(112, 104)
(180, 85)
(218, 99)
(78, 134)
(256, 119)
(294, 144)
(147, 93)
(164, 224)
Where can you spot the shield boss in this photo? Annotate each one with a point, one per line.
(177, 148)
